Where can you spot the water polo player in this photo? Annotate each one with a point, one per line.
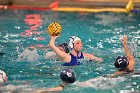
(75, 56)
(67, 76)
(125, 65)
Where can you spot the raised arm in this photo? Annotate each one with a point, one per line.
(128, 53)
(64, 56)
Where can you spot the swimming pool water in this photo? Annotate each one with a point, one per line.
(100, 34)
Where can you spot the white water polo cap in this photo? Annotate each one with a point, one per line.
(73, 39)
(3, 77)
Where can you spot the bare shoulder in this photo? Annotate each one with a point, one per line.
(131, 65)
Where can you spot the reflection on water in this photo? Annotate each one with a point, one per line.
(34, 21)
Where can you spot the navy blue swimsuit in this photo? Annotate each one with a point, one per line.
(74, 60)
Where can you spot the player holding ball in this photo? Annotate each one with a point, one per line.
(76, 55)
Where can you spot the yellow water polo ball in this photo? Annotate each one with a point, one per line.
(54, 29)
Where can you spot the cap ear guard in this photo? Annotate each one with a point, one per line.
(71, 42)
(72, 39)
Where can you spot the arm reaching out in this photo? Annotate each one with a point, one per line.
(92, 57)
(128, 53)
(54, 89)
(124, 64)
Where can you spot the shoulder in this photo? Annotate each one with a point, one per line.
(125, 72)
(131, 65)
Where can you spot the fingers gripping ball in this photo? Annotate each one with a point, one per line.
(54, 29)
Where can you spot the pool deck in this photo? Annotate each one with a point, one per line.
(72, 3)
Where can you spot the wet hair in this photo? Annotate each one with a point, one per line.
(65, 47)
(67, 76)
(121, 62)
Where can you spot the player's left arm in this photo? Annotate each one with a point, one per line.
(92, 57)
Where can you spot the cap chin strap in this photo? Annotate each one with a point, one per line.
(72, 42)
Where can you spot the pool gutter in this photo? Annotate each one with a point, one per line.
(71, 3)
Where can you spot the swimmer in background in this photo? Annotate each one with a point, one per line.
(63, 47)
(67, 76)
(124, 65)
(75, 56)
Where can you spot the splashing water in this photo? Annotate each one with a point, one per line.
(101, 82)
(28, 55)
